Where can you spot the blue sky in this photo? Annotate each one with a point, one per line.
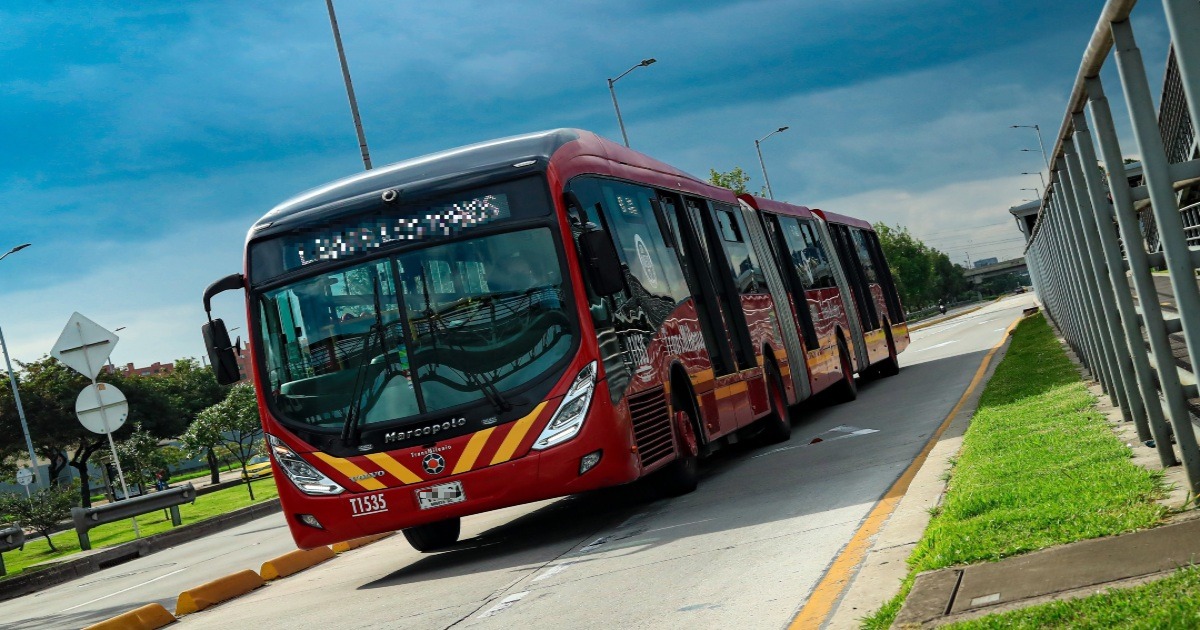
(142, 141)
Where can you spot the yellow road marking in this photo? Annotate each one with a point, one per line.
(471, 453)
(514, 437)
(837, 577)
(397, 470)
(346, 467)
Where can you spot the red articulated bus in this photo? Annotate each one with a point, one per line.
(529, 318)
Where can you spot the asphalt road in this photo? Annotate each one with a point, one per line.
(748, 546)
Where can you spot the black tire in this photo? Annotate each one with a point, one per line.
(847, 389)
(777, 426)
(682, 475)
(891, 365)
(434, 536)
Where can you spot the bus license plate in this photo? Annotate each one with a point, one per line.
(439, 495)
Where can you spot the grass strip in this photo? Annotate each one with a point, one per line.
(37, 551)
(1039, 467)
(1172, 603)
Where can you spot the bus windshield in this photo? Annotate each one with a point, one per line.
(421, 331)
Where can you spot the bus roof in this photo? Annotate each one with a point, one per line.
(778, 207)
(583, 152)
(832, 217)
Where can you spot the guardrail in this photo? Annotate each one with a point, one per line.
(87, 518)
(10, 538)
(1075, 255)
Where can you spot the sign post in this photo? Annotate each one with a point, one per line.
(84, 346)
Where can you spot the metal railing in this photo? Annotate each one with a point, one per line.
(87, 518)
(1087, 254)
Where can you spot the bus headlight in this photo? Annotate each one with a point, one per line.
(572, 411)
(308, 479)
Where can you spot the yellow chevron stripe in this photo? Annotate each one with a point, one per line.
(471, 453)
(395, 468)
(701, 377)
(346, 467)
(514, 437)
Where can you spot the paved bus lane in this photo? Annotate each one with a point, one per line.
(749, 545)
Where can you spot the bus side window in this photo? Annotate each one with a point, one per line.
(742, 262)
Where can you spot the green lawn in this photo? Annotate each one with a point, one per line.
(206, 506)
(1039, 467)
(1169, 604)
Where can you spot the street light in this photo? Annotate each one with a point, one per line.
(1039, 174)
(1040, 143)
(1035, 191)
(12, 380)
(612, 90)
(337, 38)
(761, 164)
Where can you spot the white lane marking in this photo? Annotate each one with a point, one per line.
(1000, 330)
(938, 345)
(659, 529)
(123, 590)
(843, 436)
(552, 571)
(594, 544)
(504, 603)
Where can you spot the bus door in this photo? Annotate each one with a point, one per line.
(792, 266)
(698, 275)
(861, 274)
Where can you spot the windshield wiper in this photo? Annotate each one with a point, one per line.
(350, 428)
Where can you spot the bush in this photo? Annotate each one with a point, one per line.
(42, 511)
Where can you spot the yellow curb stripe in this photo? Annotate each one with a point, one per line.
(827, 592)
(471, 453)
(217, 591)
(148, 617)
(347, 545)
(294, 562)
(514, 437)
(346, 467)
(394, 468)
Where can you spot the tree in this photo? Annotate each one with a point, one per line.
(191, 388)
(49, 390)
(232, 426)
(923, 275)
(142, 456)
(734, 180)
(41, 512)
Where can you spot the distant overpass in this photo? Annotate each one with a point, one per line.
(982, 274)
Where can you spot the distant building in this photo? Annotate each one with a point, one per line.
(983, 262)
(154, 369)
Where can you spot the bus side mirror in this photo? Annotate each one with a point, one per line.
(220, 352)
(601, 264)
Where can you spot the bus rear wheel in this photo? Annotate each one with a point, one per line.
(682, 475)
(847, 390)
(777, 427)
(891, 365)
(434, 536)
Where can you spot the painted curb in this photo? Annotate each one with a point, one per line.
(217, 591)
(148, 617)
(343, 547)
(294, 562)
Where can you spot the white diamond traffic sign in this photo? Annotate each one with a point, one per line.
(101, 408)
(84, 346)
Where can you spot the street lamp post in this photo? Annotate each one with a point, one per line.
(12, 380)
(1041, 144)
(1035, 191)
(1039, 174)
(763, 165)
(613, 91)
(337, 38)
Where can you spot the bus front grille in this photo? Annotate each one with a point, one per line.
(651, 425)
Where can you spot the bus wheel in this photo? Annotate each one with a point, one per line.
(682, 475)
(434, 536)
(891, 365)
(777, 427)
(847, 390)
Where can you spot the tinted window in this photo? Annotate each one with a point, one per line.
(747, 274)
(864, 256)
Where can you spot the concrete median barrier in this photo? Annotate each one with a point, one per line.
(343, 547)
(217, 591)
(294, 562)
(148, 617)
